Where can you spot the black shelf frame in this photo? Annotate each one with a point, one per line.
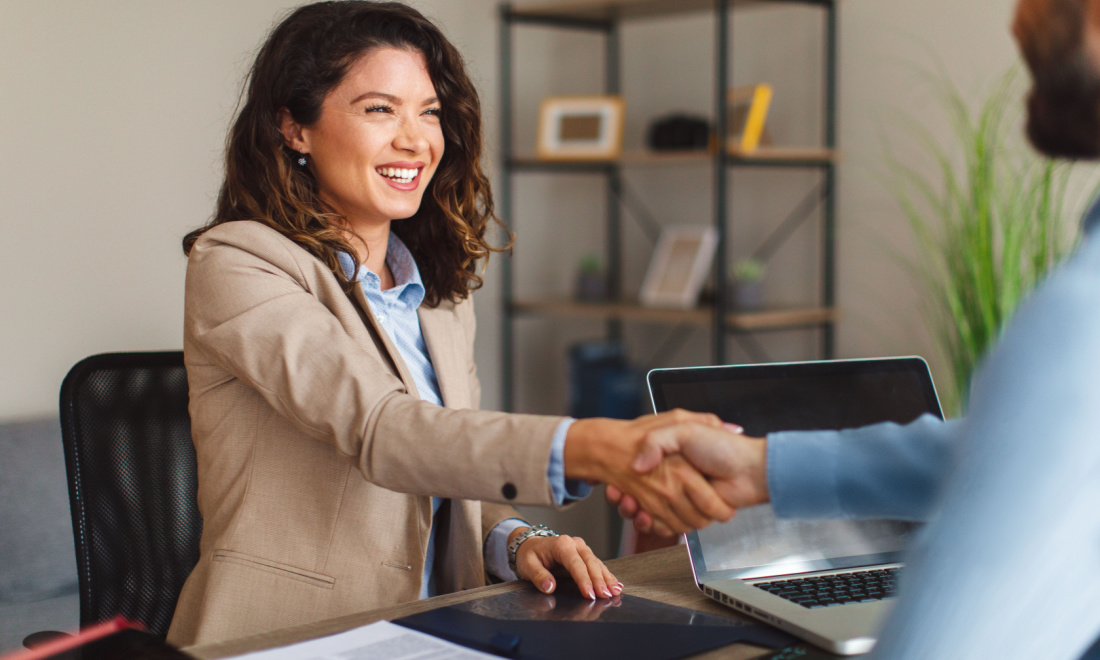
(723, 162)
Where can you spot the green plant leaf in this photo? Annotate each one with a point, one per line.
(988, 221)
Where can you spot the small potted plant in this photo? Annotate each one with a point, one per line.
(591, 284)
(747, 285)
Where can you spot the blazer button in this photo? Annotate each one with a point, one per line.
(508, 491)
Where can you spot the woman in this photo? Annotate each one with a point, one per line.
(329, 349)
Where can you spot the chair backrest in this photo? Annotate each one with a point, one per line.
(132, 484)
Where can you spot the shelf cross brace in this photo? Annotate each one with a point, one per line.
(752, 347)
(645, 220)
(792, 222)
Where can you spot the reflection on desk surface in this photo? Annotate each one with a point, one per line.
(567, 604)
(531, 626)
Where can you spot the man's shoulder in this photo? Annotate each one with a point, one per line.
(1052, 340)
(1072, 291)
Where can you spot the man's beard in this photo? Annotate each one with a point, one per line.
(1064, 111)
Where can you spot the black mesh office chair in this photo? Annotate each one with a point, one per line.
(132, 484)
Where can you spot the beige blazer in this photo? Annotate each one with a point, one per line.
(316, 456)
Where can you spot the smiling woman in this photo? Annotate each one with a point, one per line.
(328, 341)
(375, 147)
(312, 75)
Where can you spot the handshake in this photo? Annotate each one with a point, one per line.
(672, 472)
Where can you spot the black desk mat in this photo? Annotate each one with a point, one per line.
(528, 624)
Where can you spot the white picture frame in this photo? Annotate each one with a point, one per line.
(679, 267)
(580, 128)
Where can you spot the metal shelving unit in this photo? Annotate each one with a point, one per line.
(605, 17)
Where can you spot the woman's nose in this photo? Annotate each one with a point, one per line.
(411, 137)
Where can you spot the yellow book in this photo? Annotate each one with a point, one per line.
(758, 114)
(748, 112)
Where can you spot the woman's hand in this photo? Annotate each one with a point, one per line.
(546, 607)
(539, 554)
(674, 491)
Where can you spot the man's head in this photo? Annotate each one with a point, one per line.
(1060, 40)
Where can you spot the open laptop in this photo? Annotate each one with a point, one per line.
(828, 582)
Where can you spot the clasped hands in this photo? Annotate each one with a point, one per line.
(671, 472)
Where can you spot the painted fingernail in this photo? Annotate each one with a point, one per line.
(618, 588)
(733, 428)
(547, 586)
(591, 594)
(605, 592)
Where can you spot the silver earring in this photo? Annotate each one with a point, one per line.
(302, 160)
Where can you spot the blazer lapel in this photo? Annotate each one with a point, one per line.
(392, 353)
(444, 339)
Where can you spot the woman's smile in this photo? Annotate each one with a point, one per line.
(402, 176)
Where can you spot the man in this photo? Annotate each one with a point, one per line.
(1009, 564)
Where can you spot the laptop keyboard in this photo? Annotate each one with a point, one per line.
(838, 589)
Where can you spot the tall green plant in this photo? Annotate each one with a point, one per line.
(989, 221)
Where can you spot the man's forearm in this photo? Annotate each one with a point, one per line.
(879, 471)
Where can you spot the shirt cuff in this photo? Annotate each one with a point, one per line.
(564, 490)
(496, 548)
(801, 471)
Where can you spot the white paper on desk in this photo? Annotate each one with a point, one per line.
(378, 640)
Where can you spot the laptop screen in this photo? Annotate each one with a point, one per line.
(834, 394)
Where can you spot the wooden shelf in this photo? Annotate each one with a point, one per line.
(767, 319)
(604, 19)
(764, 157)
(601, 10)
(801, 156)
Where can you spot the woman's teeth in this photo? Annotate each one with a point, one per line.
(398, 174)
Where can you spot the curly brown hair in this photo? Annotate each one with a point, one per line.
(304, 58)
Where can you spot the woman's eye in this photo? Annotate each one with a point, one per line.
(434, 111)
(377, 108)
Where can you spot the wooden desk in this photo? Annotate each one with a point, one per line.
(661, 575)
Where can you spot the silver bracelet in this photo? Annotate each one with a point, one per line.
(513, 545)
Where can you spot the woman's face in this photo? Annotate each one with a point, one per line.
(379, 138)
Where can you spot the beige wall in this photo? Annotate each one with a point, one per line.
(113, 112)
(113, 116)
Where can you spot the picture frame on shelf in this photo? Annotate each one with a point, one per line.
(679, 266)
(747, 117)
(580, 128)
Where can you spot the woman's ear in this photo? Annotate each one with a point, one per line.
(293, 135)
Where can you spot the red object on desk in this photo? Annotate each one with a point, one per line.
(89, 634)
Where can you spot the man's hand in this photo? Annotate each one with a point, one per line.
(734, 463)
(671, 490)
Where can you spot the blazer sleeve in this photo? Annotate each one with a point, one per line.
(491, 514)
(263, 310)
(494, 514)
(468, 319)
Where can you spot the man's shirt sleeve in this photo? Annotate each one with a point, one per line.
(879, 471)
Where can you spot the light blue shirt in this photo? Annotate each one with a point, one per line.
(1009, 563)
(395, 309)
